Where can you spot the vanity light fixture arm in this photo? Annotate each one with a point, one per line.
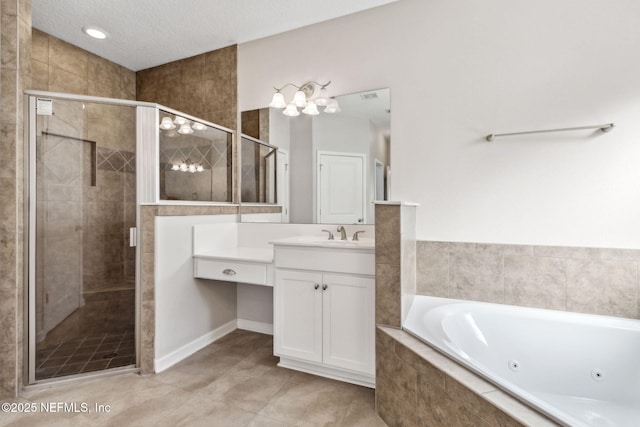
(322, 86)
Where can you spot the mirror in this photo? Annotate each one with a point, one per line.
(258, 181)
(329, 168)
(195, 160)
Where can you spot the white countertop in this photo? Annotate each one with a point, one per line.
(262, 255)
(324, 242)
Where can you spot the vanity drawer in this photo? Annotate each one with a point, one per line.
(230, 271)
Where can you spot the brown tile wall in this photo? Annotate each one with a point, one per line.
(416, 386)
(586, 280)
(58, 66)
(255, 123)
(203, 86)
(395, 261)
(15, 76)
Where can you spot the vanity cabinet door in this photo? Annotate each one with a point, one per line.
(298, 315)
(349, 322)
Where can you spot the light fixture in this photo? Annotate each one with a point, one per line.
(167, 123)
(185, 129)
(94, 32)
(278, 101)
(187, 166)
(184, 126)
(180, 121)
(308, 97)
(291, 111)
(332, 106)
(311, 109)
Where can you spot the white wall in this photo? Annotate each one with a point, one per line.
(461, 69)
(187, 309)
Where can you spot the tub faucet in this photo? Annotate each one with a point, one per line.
(343, 233)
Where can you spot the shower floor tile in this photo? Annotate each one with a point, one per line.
(87, 354)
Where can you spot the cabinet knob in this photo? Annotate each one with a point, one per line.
(316, 286)
(229, 272)
(324, 287)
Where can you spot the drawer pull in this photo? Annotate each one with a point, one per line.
(324, 287)
(229, 272)
(316, 286)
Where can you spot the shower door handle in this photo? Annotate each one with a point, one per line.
(133, 237)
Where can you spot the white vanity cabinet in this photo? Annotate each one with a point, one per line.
(324, 311)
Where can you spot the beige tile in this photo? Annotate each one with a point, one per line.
(67, 57)
(8, 88)
(620, 254)
(396, 389)
(520, 414)
(61, 80)
(477, 277)
(491, 248)
(388, 304)
(39, 46)
(9, 42)
(535, 281)
(307, 398)
(39, 75)
(432, 270)
(602, 287)
(388, 235)
(565, 252)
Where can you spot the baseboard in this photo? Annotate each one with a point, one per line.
(260, 327)
(188, 349)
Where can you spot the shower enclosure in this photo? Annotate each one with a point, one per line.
(91, 162)
(82, 269)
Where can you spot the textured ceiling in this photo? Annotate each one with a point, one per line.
(146, 33)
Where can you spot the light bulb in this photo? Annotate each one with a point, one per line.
(278, 101)
(167, 124)
(291, 111)
(175, 167)
(192, 168)
(185, 129)
(184, 167)
(198, 126)
(180, 121)
(199, 168)
(311, 109)
(332, 107)
(323, 98)
(300, 99)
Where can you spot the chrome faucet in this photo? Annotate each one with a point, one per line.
(355, 235)
(330, 234)
(343, 233)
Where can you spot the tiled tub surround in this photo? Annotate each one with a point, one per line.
(417, 386)
(585, 280)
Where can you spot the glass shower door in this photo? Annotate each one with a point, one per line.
(83, 278)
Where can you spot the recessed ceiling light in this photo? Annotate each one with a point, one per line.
(95, 32)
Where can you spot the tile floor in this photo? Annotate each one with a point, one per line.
(232, 382)
(86, 354)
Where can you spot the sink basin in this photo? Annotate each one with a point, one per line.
(323, 241)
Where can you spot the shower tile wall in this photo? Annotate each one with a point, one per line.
(97, 217)
(586, 280)
(58, 66)
(15, 50)
(203, 86)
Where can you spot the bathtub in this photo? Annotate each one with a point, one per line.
(578, 369)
